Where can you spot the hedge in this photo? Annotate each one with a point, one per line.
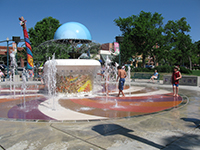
(164, 68)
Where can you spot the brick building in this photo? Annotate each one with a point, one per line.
(3, 56)
(105, 50)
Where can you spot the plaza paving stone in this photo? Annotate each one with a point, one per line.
(178, 128)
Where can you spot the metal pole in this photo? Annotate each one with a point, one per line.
(119, 39)
(16, 60)
(7, 58)
(119, 55)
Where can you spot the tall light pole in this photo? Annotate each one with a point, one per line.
(119, 39)
(7, 40)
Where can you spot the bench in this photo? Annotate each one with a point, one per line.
(140, 75)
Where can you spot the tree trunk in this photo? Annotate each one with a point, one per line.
(190, 62)
(143, 60)
(155, 61)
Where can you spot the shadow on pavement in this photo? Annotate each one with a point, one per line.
(114, 129)
(194, 120)
(184, 142)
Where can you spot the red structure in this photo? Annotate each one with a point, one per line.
(3, 55)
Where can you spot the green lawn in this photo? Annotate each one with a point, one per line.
(196, 72)
(161, 74)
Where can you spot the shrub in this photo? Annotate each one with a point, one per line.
(146, 70)
(185, 70)
(139, 69)
(164, 68)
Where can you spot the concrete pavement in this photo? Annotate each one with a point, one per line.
(176, 129)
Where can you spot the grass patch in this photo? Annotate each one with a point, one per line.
(161, 74)
(196, 72)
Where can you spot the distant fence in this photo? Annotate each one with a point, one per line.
(185, 80)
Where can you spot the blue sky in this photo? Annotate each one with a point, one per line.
(96, 15)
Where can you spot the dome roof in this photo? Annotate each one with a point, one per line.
(72, 30)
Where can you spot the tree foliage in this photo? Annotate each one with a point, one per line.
(92, 47)
(43, 31)
(140, 33)
(167, 44)
(48, 48)
(196, 50)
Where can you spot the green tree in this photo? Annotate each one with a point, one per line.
(197, 44)
(180, 47)
(43, 31)
(141, 33)
(21, 54)
(196, 53)
(48, 48)
(94, 48)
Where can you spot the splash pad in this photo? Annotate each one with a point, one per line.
(74, 93)
(138, 101)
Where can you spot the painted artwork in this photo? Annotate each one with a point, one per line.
(74, 83)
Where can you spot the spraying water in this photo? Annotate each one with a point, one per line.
(116, 74)
(107, 72)
(129, 78)
(24, 86)
(12, 75)
(116, 103)
(50, 79)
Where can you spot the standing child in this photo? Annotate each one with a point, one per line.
(121, 76)
(176, 75)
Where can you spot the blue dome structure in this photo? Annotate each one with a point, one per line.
(73, 31)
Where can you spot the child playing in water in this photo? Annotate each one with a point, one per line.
(122, 75)
(176, 75)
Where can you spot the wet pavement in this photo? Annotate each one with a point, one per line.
(177, 128)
